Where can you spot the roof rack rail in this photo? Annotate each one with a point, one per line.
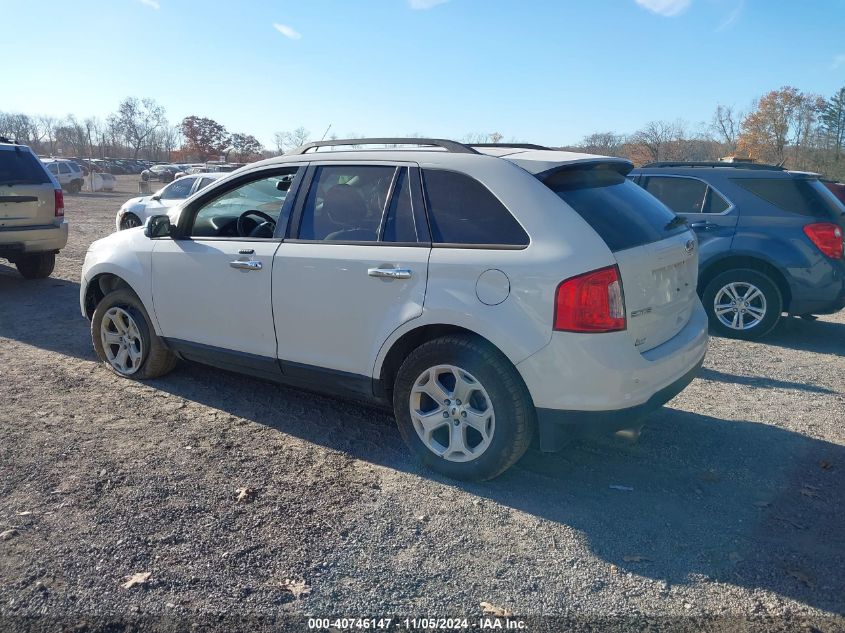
(510, 145)
(692, 163)
(4, 139)
(449, 146)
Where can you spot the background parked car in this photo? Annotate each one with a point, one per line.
(771, 240)
(32, 212)
(163, 173)
(838, 189)
(135, 212)
(67, 172)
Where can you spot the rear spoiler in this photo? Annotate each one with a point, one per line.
(619, 165)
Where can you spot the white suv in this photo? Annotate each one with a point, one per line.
(485, 293)
(66, 172)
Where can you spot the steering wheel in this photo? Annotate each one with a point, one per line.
(269, 223)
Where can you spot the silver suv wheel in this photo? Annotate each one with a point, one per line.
(740, 305)
(122, 341)
(452, 413)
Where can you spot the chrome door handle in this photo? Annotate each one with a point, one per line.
(390, 273)
(246, 265)
(706, 226)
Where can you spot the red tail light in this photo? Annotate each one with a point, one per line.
(60, 203)
(592, 302)
(827, 237)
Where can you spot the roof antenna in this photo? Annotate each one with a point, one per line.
(326, 132)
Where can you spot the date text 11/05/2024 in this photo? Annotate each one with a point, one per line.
(417, 624)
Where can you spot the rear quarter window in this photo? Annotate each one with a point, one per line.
(463, 211)
(622, 213)
(21, 167)
(796, 195)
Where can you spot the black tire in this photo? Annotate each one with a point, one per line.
(514, 414)
(156, 359)
(36, 266)
(770, 293)
(129, 221)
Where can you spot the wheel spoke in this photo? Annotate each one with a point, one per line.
(741, 320)
(723, 309)
(735, 320)
(121, 358)
(431, 420)
(464, 386)
(111, 338)
(731, 289)
(432, 388)
(478, 420)
(457, 440)
(757, 313)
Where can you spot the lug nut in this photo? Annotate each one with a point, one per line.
(447, 402)
(445, 414)
(458, 402)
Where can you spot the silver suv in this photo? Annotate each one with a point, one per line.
(32, 212)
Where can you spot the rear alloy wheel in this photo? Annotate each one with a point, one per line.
(36, 266)
(462, 408)
(743, 304)
(129, 221)
(452, 413)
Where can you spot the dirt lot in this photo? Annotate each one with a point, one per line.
(731, 503)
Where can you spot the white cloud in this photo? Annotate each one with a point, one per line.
(838, 61)
(666, 8)
(151, 3)
(732, 17)
(287, 31)
(422, 5)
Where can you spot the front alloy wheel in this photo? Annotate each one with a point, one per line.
(122, 342)
(452, 413)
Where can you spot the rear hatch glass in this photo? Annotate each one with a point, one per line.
(623, 214)
(21, 167)
(26, 191)
(656, 253)
(806, 196)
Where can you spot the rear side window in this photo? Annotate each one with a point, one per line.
(798, 195)
(682, 195)
(346, 203)
(622, 213)
(21, 167)
(463, 211)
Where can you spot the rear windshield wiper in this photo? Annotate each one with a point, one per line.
(675, 223)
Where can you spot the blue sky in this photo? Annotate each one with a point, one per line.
(548, 71)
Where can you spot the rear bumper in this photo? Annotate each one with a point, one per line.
(555, 426)
(32, 239)
(602, 381)
(820, 290)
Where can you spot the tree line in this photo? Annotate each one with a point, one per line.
(800, 130)
(139, 128)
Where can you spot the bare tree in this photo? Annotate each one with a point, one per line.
(138, 120)
(288, 140)
(726, 126)
(604, 143)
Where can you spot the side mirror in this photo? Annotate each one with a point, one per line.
(158, 226)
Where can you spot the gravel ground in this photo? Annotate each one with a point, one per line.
(730, 504)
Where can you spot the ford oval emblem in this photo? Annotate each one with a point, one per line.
(690, 246)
